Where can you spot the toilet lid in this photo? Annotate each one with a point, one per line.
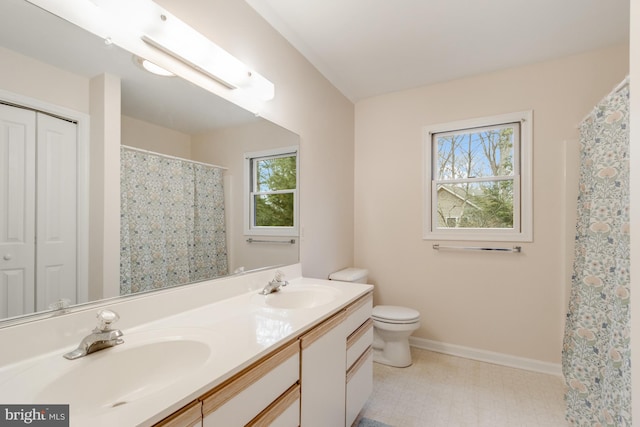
(393, 313)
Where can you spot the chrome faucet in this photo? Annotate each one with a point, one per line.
(101, 337)
(275, 285)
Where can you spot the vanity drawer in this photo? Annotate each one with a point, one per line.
(284, 412)
(358, 313)
(189, 416)
(359, 385)
(359, 341)
(239, 400)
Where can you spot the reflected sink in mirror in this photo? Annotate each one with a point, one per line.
(298, 296)
(145, 364)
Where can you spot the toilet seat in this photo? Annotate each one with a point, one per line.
(394, 314)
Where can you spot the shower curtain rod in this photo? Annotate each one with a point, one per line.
(127, 147)
(624, 83)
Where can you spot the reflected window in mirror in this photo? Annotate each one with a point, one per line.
(271, 180)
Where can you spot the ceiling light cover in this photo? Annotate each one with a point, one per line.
(151, 67)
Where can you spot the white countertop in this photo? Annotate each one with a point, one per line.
(238, 330)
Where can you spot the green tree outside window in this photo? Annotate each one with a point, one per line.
(273, 191)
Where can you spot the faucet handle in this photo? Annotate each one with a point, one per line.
(106, 318)
(279, 276)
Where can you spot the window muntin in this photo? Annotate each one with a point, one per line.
(272, 192)
(478, 179)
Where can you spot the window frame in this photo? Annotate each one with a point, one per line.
(522, 230)
(250, 228)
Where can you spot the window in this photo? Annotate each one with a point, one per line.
(478, 179)
(271, 182)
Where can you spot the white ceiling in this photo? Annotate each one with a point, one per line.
(370, 47)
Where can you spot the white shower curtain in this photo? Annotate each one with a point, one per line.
(596, 358)
(172, 228)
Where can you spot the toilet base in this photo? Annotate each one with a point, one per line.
(396, 354)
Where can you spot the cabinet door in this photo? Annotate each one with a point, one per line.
(323, 374)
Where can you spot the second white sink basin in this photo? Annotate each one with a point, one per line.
(298, 296)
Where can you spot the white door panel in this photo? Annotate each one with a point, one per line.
(17, 211)
(56, 211)
(35, 272)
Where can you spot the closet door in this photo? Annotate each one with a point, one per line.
(56, 264)
(17, 211)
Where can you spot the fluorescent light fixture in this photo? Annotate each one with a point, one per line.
(172, 36)
(229, 74)
(146, 29)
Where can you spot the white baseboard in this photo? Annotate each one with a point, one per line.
(487, 356)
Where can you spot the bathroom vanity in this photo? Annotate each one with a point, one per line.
(304, 382)
(218, 353)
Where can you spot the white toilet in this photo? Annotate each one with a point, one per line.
(392, 325)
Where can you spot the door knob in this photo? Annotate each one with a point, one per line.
(7, 257)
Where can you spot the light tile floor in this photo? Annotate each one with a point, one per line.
(446, 391)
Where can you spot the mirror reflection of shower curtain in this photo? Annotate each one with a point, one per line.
(172, 228)
(596, 357)
(208, 251)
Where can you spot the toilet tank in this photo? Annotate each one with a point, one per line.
(351, 274)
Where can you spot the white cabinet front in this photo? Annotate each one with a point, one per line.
(323, 381)
(238, 402)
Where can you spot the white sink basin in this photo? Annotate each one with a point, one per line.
(122, 375)
(145, 364)
(298, 296)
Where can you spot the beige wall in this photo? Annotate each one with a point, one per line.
(27, 77)
(226, 147)
(147, 136)
(305, 103)
(504, 303)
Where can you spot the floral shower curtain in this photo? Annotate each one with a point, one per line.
(596, 358)
(208, 252)
(172, 228)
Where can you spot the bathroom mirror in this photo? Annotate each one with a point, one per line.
(176, 118)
